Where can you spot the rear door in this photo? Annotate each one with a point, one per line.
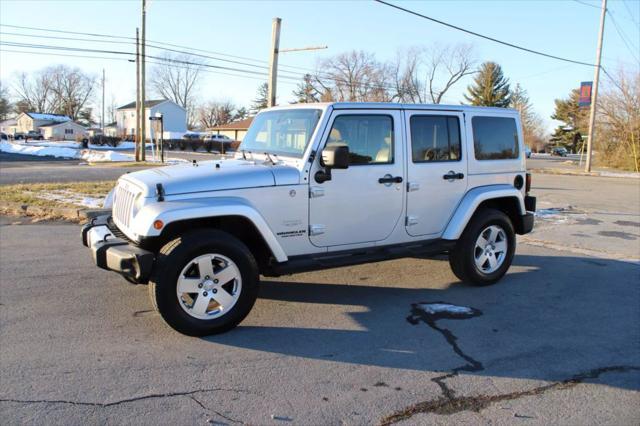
(437, 169)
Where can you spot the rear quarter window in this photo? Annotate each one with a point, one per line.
(495, 138)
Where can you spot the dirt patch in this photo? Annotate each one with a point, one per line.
(618, 234)
(627, 223)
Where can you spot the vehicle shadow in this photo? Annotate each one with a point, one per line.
(551, 318)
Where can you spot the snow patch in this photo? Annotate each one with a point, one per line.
(438, 308)
(70, 197)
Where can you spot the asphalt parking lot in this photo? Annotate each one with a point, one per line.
(555, 342)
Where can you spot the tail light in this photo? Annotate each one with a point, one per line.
(527, 186)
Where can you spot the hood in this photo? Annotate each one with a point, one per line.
(213, 176)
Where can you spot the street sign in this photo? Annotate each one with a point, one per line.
(585, 94)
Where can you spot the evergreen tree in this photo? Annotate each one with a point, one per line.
(306, 92)
(531, 122)
(574, 119)
(5, 105)
(490, 87)
(240, 114)
(262, 99)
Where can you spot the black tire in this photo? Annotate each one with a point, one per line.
(462, 257)
(175, 255)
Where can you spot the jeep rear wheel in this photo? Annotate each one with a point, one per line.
(484, 252)
(205, 282)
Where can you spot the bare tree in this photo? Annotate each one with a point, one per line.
(215, 113)
(35, 91)
(532, 127)
(354, 76)
(5, 104)
(424, 75)
(73, 90)
(618, 127)
(177, 78)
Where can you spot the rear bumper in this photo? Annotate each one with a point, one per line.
(116, 254)
(526, 222)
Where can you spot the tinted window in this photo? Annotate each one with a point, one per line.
(495, 138)
(369, 137)
(435, 138)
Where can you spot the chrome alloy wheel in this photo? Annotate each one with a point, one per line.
(491, 249)
(209, 286)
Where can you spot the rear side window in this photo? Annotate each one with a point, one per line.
(369, 137)
(435, 138)
(495, 138)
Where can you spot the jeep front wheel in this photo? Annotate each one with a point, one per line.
(205, 282)
(484, 252)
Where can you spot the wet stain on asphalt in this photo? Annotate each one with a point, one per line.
(139, 314)
(627, 223)
(594, 262)
(381, 384)
(618, 234)
(588, 221)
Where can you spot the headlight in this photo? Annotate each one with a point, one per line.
(137, 205)
(107, 203)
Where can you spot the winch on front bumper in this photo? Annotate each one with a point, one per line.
(111, 251)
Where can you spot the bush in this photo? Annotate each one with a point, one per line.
(194, 145)
(208, 146)
(102, 140)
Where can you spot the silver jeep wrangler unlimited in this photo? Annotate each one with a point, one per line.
(318, 186)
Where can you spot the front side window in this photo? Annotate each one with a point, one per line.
(495, 138)
(435, 138)
(285, 132)
(68, 131)
(369, 138)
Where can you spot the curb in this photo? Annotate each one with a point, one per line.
(568, 172)
(65, 213)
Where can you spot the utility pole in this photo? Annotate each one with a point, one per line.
(143, 111)
(137, 135)
(102, 116)
(273, 61)
(594, 93)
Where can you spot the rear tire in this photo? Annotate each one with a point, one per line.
(484, 252)
(204, 282)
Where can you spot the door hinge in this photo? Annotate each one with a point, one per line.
(411, 220)
(412, 186)
(316, 191)
(317, 229)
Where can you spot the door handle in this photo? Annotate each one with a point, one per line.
(453, 175)
(390, 179)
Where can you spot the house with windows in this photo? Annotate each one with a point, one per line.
(235, 130)
(67, 130)
(174, 118)
(33, 121)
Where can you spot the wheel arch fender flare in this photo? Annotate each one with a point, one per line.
(473, 199)
(202, 208)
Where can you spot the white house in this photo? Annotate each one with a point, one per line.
(174, 117)
(33, 121)
(66, 130)
(8, 126)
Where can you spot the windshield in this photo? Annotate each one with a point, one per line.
(285, 132)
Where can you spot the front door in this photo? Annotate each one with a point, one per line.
(364, 202)
(437, 169)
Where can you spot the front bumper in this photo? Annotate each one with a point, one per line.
(116, 254)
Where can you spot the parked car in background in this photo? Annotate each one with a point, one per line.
(527, 151)
(221, 143)
(559, 151)
(31, 134)
(3, 136)
(192, 136)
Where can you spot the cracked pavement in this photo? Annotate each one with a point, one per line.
(557, 341)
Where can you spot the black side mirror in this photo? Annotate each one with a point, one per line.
(335, 156)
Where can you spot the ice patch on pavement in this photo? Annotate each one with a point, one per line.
(436, 308)
(70, 197)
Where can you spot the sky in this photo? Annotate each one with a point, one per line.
(565, 28)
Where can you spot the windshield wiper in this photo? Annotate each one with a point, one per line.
(244, 153)
(273, 163)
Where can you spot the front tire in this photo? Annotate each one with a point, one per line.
(204, 282)
(484, 252)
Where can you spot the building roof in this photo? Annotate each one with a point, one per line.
(114, 124)
(58, 118)
(236, 125)
(147, 104)
(61, 123)
(9, 122)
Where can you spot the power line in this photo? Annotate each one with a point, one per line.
(635, 21)
(622, 36)
(148, 41)
(535, 52)
(67, 55)
(584, 3)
